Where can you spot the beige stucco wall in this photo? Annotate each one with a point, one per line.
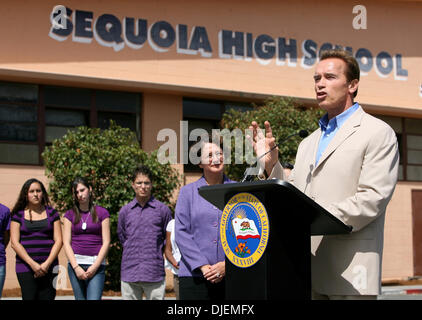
(159, 111)
(32, 53)
(398, 237)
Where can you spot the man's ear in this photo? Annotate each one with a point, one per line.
(353, 85)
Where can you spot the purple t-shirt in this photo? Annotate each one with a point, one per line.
(4, 226)
(38, 244)
(87, 242)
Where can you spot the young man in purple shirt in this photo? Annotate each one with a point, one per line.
(142, 231)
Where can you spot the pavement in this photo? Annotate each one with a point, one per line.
(396, 292)
(71, 297)
(401, 292)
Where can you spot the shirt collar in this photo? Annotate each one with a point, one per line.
(150, 203)
(337, 121)
(202, 182)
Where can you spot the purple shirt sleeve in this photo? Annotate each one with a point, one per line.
(69, 215)
(102, 213)
(6, 221)
(167, 217)
(184, 233)
(121, 233)
(55, 214)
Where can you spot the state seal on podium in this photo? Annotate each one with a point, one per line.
(244, 230)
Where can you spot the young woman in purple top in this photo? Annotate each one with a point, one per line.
(4, 240)
(36, 237)
(202, 266)
(86, 240)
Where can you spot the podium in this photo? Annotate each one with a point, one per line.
(283, 271)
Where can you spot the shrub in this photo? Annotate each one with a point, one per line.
(106, 158)
(285, 116)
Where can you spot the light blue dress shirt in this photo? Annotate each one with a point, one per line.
(330, 128)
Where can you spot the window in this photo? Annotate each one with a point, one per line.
(58, 122)
(409, 136)
(121, 107)
(18, 123)
(206, 115)
(413, 129)
(67, 97)
(18, 92)
(28, 123)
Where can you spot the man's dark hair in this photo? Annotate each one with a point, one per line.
(141, 169)
(353, 70)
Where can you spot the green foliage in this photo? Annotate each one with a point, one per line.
(106, 158)
(285, 117)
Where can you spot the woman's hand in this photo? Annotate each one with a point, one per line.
(216, 272)
(38, 270)
(45, 266)
(205, 269)
(90, 272)
(80, 273)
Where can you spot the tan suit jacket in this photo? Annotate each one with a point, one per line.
(354, 180)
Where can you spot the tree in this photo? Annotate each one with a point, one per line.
(286, 118)
(106, 158)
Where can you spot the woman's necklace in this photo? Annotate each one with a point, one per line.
(84, 222)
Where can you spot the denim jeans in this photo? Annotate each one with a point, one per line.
(2, 277)
(91, 289)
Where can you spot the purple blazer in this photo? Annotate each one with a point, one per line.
(197, 230)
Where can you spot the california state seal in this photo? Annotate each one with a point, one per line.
(244, 230)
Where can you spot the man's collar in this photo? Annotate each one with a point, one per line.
(150, 203)
(339, 119)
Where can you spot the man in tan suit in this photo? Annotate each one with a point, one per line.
(349, 166)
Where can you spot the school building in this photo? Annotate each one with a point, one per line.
(149, 65)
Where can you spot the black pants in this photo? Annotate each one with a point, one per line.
(194, 288)
(36, 288)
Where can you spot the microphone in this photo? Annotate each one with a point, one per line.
(248, 177)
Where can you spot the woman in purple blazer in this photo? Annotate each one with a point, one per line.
(202, 266)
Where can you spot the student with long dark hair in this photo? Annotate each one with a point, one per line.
(36, 237)
(86, 238)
